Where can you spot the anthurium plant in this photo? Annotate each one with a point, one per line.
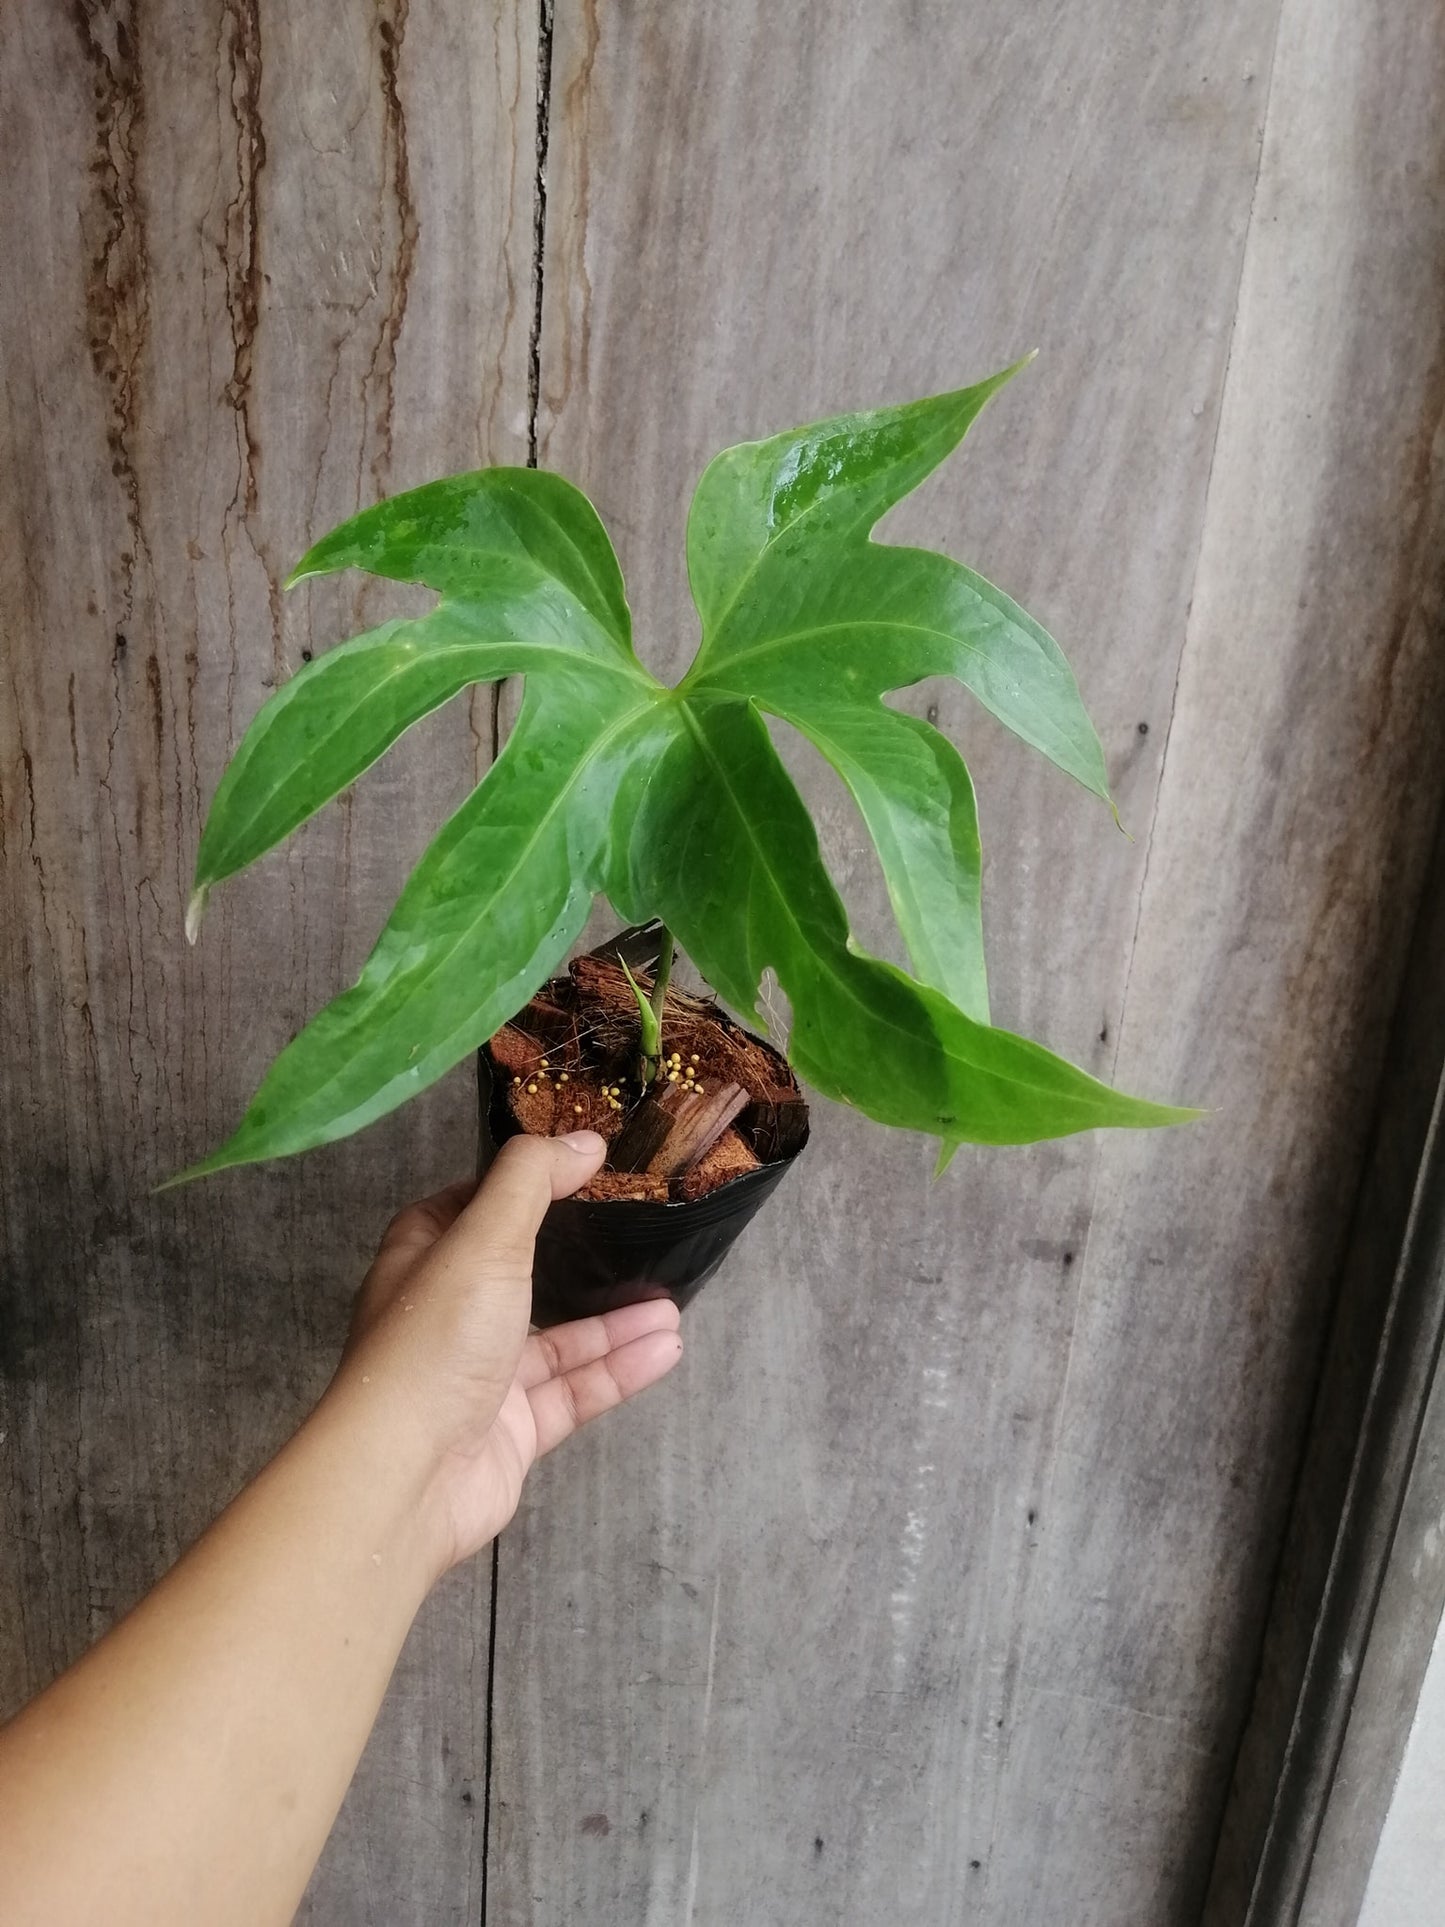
(672, 802)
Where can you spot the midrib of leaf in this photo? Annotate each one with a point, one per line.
(714, 675)
(435, 652)
(869, 1010)
(437, 957)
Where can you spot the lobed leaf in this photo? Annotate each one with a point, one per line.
(487, 914)
(812, 488)
(729, 859)
(673, 802)
(451, 534)
(916, 798)
(332, 720)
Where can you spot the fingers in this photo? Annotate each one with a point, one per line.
(550, 1354)
(573, 1398)
(500, 1223)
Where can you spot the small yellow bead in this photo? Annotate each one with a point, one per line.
(694, 1059)
(698, 1089)
(516, 1080)
(532, 1090)
(672, 1077)
(561, 1077)
(544, 1063)
(578, 1109)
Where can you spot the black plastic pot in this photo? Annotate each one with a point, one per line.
(595, 1257)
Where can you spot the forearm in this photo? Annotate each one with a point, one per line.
(190, 1766)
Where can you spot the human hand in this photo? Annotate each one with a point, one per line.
(439, 1347)
(280, 1627)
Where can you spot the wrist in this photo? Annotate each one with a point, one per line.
(385, 1463)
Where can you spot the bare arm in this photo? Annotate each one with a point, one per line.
(190, 1766)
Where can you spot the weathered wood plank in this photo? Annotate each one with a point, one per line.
(1342, 1518)
(850, 1668)
(1298, 803)
(1372, 1620)
(930, 1588)
(1395, 1624)
(265, 261)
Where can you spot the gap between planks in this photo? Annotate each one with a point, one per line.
(545, 32)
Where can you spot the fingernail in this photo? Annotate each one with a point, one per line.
(587, 1143)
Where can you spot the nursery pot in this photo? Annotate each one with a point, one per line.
(595, 1255)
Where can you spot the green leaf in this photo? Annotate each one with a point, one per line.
(648, 1021)
(916, 797)
(728, 857)
(332, 720)
(813, 489)
(487, 914)
(451, 535)
(673, 803)
(867, 619)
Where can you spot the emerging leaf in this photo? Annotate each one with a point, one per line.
(673, 802)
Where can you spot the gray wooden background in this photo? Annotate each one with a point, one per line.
(932, 1587)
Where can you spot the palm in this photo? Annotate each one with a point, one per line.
(564, 1377)
(481, 1488)
(501, 1398)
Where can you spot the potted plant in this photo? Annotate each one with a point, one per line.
(673, 804)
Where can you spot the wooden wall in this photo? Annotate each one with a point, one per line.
(262, 264)
(932, 1587)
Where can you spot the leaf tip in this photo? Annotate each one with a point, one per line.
(947, 1149)
(1014, 368)
(225, 1157)
(178, 1178)
(651, 1032)
(312, 563)
(195, 910)
(1163, 1115)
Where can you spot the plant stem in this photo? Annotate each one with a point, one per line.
(666, 951)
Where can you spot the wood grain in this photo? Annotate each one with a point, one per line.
(265, 262)
(1324, 1609)
(930, 1588)
(1303, 782)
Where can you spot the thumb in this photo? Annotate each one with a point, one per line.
(499, 1226)
(476, 1282)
